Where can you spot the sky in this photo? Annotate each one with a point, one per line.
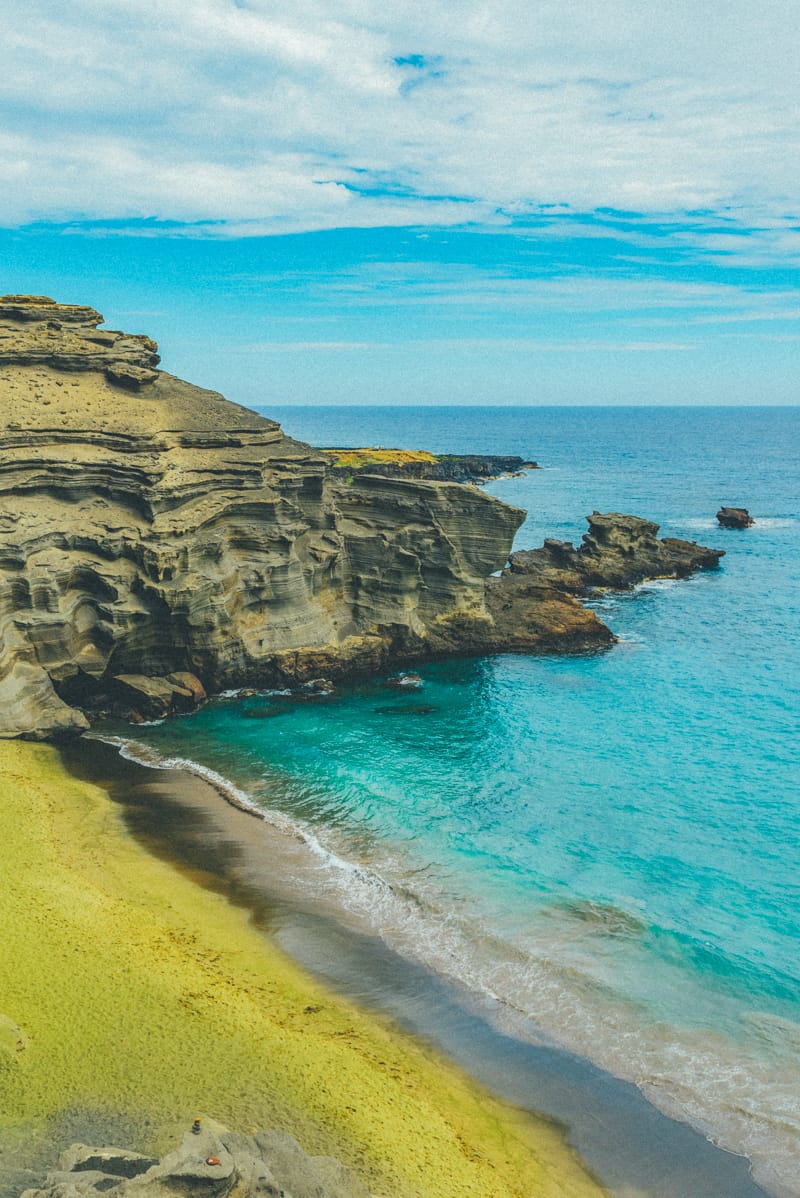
(502, 202)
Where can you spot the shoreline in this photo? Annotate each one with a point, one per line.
(144, 992)
(625, 1141)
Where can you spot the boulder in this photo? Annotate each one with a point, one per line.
(187, 681)
(153, 698)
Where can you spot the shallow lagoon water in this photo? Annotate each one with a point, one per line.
(601, 850)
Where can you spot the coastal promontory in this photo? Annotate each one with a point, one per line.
(148, 526)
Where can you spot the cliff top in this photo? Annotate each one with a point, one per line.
(59, 371)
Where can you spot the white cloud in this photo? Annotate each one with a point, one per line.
(284, 116)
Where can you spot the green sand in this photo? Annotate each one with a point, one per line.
(129, 992)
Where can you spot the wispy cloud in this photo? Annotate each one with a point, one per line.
(514, 345)
(245, 119)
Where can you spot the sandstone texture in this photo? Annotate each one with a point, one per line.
(35, 330)
(149, 528)
(617, 552)
(213, 1161)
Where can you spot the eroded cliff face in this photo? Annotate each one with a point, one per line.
(149, 526)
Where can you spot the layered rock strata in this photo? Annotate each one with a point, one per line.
(212, 1161)
(149, 527)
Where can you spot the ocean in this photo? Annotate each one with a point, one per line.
(599, 853)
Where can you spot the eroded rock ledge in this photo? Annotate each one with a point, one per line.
(35, 329)
(159, 530)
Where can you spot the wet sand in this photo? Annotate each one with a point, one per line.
(636, 1151)
(141, 986)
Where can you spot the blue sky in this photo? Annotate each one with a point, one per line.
(590, 202)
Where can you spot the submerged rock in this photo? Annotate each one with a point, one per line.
(735, 517)
(407, 709)
(404, 681)
(211, 1161)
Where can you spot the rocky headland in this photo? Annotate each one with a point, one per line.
(419, 463)
(150, 529)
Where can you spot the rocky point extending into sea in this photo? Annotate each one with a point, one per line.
(151, 529)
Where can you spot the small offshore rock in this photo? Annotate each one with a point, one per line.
(735, 517)
(318, 686)
(404, 682)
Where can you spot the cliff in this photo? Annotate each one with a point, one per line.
(148, 526)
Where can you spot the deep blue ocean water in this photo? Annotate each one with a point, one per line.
(605, 850)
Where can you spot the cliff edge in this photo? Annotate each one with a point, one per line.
(148, 526)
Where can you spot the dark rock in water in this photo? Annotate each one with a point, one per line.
(404, 682)
(265, 713)
(735, 517)
(531, 617)
(319, 686)
(617, 552)
(212, 1161)
(411, 709)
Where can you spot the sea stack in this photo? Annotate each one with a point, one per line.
(735, 517)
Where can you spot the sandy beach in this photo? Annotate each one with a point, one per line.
(134, 999)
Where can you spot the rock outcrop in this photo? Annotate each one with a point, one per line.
(617, 552)
(34, 330)
(735, 517)
(149, 527)
(214, 1162)
(435, 467)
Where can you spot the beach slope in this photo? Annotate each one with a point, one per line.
(133, 1000)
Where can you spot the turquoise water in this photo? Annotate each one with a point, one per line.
(605, 851)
